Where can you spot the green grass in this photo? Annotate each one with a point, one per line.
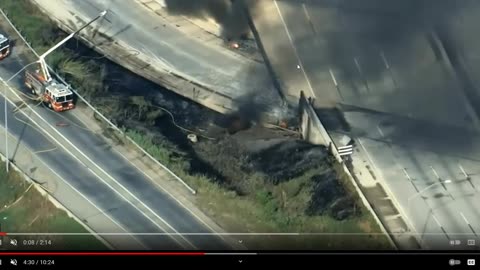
(265, 208)
(25, 210)
(34, 26)
(11, 187)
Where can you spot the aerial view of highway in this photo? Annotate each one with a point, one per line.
(384, 68)
(236, 125)
(102, 175)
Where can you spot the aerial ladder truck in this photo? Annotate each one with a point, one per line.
(57, 96)
(4, 46)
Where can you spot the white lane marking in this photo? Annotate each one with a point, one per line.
(384, 60)
(294, 48)
(305, 10)
(102, 211)
(103, 171)
(125, 189)
(406, 174)
(357, 64)
(464, 218)
(436, 220)
(333, 77)
(463, 171)
(380, 131)
(386, 187)
(157, 184)
(360, 71)
(171, 196)
(435, 172)
(154, 182)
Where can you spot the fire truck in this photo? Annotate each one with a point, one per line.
(55, 95)
(4, 46)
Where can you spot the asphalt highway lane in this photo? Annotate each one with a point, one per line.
(108, 179)
(399, 100)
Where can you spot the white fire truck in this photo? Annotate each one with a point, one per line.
(4, 46)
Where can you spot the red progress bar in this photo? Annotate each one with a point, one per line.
(3, 234)
(103, 253)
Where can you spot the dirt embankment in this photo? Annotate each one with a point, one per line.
(278, 157)
(232, 150)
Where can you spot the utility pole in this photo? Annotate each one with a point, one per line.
(7, 157)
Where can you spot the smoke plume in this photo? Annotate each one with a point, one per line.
(229, 14)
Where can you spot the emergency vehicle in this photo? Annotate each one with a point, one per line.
(4, 46)
(55, 95)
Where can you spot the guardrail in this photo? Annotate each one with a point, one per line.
(306, 110)
(193, 191)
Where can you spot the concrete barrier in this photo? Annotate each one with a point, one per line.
(313, 131)
(311, 128)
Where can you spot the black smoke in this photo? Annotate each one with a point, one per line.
(229, 14)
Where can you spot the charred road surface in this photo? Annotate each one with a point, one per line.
(176, 46)
(380, 73)
(101, 174)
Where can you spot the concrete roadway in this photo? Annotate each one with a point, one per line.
(401, 103)
(413, 161)
(111, 182)
(176, 49)
(460, 37)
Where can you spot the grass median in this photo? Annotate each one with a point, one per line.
(24, 210)
(264, 208)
